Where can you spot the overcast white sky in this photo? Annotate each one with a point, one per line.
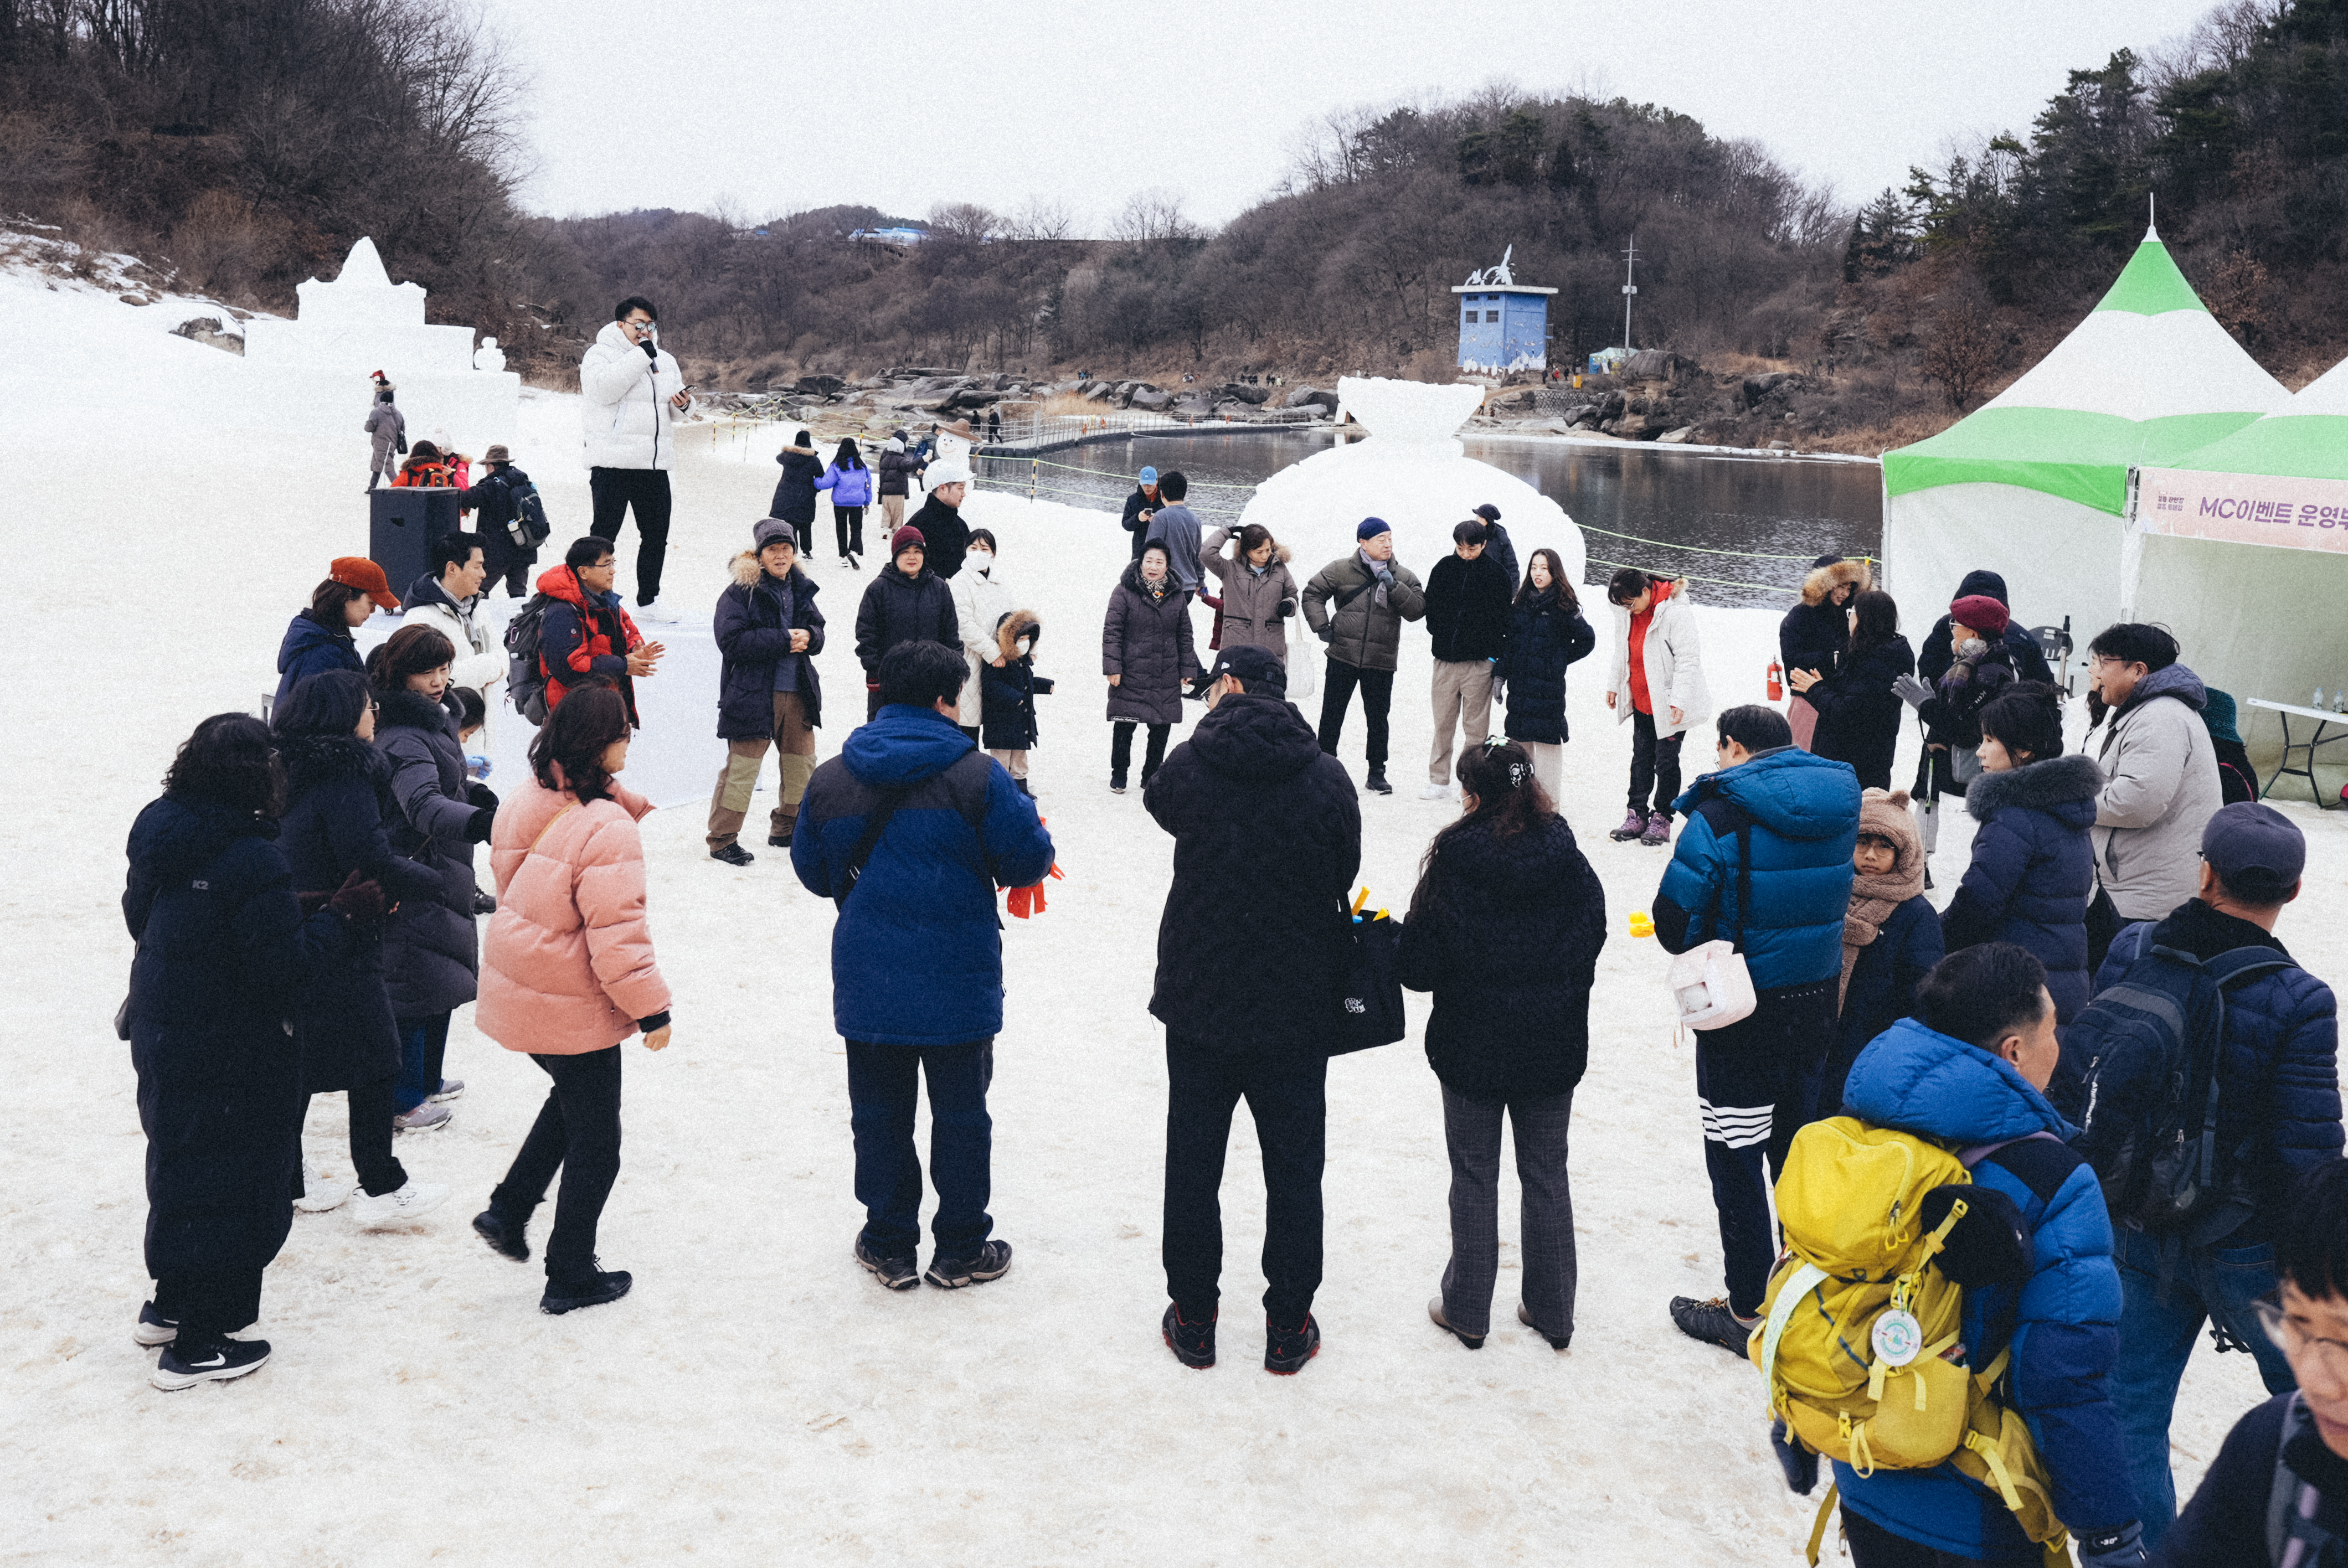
(777, 107)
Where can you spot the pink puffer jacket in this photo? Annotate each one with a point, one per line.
(566, 966)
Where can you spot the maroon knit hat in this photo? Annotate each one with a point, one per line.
(1982, 613)
(909, 538)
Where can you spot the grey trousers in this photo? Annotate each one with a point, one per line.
(1471, 1129)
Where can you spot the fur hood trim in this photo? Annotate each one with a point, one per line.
(1229, 550)
(1823, 580)
(315, 759)
(745, 571)
(1016, 624)
(2055, 782)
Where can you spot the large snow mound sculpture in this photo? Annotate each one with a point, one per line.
(1412, 471)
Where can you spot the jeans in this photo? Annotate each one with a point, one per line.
(883, 1087)
(1471, 1130)
(848, 523)
(1757, 1084)
(2215, 1285)
(1378, 697)
(423, 1052)
(1120, 749)
(614, 490)
(577, 1130)
(1654, 764)
(378, 1170)
(1287, 1095)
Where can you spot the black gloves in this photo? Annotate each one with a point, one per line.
(1800, 1465)
(360, 902)
(1287, 609)
(477, 830)
(481, 794)
(651, 349)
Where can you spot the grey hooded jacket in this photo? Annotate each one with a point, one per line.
(2160, 790)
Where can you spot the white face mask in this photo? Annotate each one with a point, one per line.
(1021, 645)
(982, 558)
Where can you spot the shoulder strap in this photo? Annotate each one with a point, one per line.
(2293, 1537)
(2238, 964)
(876, 823)
(550, 821)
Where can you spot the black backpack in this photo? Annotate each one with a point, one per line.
(525, 674)
(529, 527)
(2140, 1077)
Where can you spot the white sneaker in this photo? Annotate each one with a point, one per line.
(1436, 792)
(657, 613)
(426, 1118)
(317, 1197)
(395, 1208)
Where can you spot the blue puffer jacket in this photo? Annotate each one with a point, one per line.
(848, 486)
(311, 649)
(917, 956)
(2280, 1077)
(1803, 811)
(2032, 870)
(2063, 1324)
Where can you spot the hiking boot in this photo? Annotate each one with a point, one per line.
(1193, 1344)
(426, 1118)
(1525, 1316)
(450, 1089)
(592, 1289)
(504, 1233)
(1021, 785)
(780, 839)
(209, 1359)
(1633, 827)
(398, 1206)
(1713, 1322)
(1435, 1311)
(1376, 782)
(1659, 831)
(896, 1273)
(732, 855)
(1285, 1350)
(990, 1261)
(153, 1329)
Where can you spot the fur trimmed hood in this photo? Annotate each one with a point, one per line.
(1014, 625)
(1229, 550)
(315, 759)
(745, 571)
(2041, 786)
(1823, 580)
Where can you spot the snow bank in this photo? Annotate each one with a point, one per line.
(757, 1397)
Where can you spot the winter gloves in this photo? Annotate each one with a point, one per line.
(1025, 901)
(477, 830)
(2121, 1548)
(360, 902)
(651, 349)
(1800, 1465)
(481, 797)
(1910, 691)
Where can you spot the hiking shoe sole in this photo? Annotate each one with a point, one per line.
(893, 1273)
(992, 1261)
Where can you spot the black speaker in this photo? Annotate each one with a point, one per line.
(401, 525)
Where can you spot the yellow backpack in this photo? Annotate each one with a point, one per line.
(1860, 1341)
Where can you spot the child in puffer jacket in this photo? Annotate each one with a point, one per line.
(1891, 938)
(1009, 687)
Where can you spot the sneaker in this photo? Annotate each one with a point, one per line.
(374, 1209)
(212, 1360)
(1193, 1344)
(992, 1261)
(593, 1290)
(318, 1197)
(484, 903)
(855, 563)
(896, 1273)
(1376, 782)
(1525, 1316)
(426, 1118)
(658, 614)
(1928, 877)
(1436, 792)
(506, 1235)
(1633, 827)
(1117, 783)
(153, 1329)
(1713, 1322)
(732, 855)
(1285, 1350)
(451, 1087)
(1659, 831)
(1435, 1311)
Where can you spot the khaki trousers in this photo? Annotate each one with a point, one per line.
(794, 738)
(1014, 762)
(1462, 690)
(892, 515)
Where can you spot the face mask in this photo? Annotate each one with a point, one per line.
(1023, 645)
(982, 560)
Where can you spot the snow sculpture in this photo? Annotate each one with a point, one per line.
(313, 373)
(488, 357)
(1412, 471)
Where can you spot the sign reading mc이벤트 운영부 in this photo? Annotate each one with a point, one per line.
(2302, 514)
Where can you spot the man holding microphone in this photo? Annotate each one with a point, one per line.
(632, 392)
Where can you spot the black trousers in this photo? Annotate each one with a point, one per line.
(210, 1301)
(1378, 697)
(847, 522)
(379, 1171)
(1757, 1084)
(1654, 764)
(1872, 1546)
(577, 1130)
(1287, 1097)
(646, 489)
(1120, 749)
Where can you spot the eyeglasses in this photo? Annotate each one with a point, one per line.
(2294, 1341)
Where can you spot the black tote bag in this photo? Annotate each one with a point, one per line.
(1370, 1005)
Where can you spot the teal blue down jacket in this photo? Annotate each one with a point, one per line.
(1802, 812)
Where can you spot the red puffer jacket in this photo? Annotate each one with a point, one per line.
(584, 634)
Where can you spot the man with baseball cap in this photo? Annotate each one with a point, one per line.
(1357, 605)
(319, 638)
(2278, 1117)
(1140, 508)
(943, 533)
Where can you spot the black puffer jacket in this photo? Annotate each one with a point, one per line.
(339, 795)
(1544, 638)
(1858, 715)
(1506, 932)
(1267, 830)
(945, 538)
(794, 499)
(752, 640)
(896, 470)
(1146, 642)
(431, 946)
(900, 609)
(1467, 607)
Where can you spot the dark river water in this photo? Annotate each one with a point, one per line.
(1777, 513)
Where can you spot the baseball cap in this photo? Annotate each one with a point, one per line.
(358, 572)
(2257, 852)
(1256, 669)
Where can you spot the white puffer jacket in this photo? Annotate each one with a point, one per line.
(1674, 661)
(980, 601)
(481, 661)
(624, 410)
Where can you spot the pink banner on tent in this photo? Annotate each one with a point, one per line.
(2243, 508)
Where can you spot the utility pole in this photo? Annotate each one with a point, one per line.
(1629, 289)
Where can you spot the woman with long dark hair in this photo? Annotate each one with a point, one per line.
(1545, 635)
(1505, 928)
(1857, 711)
(431, 946)
(1258, 594)
(224, 950)
(851, 483)
(338, 801)
(569, 975)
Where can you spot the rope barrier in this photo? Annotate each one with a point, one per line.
(1723, 581)
(1706, 549)
(1080, 468)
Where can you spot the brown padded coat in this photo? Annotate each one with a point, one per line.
(1251, 604)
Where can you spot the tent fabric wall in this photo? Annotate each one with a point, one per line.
(2058, 557)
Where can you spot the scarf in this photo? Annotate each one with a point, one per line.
(1157, 591)
(1873, 898)
(1382, 571)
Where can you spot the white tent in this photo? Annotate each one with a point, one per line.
(2034, 484)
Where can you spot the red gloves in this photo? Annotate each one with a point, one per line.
(1026, 901)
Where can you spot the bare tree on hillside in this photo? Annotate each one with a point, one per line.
(1965, 351)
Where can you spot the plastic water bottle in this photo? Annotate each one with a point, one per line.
(2319, 697)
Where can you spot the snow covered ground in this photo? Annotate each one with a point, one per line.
(759, 1397)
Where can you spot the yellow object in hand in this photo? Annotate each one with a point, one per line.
(1361, 899)
(1642, 924)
